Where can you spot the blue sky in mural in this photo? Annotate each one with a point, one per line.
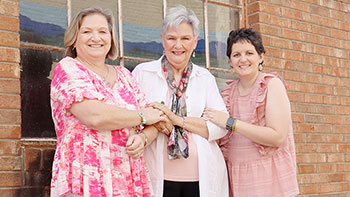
(51, 21)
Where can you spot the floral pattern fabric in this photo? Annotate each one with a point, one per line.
(90, 162)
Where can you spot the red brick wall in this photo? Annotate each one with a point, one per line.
(308, 43)
(10, 128)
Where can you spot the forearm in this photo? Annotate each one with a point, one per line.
(192, 124)
(150, 133)
(101, 116)
(260, 134)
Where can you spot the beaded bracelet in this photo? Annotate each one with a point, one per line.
(139, 128)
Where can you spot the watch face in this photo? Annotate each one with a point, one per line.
(229, 123)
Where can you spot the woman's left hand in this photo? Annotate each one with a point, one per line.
(171, 115)
(217, 117)
(135, 145)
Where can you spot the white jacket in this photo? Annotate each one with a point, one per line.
(202, 92)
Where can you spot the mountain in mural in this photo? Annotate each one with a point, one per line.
(46, 29)
(51, 30)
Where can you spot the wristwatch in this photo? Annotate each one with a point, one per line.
(229, 123)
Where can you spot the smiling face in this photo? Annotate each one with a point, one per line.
(178, 44)
(245, 59)
(94, 38)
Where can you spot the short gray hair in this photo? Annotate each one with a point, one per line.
(179, 14)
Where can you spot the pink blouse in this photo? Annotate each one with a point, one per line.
(254, 169)
(90, 162)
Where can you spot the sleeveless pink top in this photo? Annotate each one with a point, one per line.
(254, 169)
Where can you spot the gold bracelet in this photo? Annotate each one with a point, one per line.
(235, 125)
(146, 139)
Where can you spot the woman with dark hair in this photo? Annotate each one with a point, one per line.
(259, 148)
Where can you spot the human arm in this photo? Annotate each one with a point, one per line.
(100, 116)
(277, 114)
(191, 124)
(137, 142)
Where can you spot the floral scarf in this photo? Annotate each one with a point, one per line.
(178, 139)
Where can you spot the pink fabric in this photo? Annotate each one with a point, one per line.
(90, 162)
(181, 169)
(254, 169)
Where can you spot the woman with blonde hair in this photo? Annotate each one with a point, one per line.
(101, 122)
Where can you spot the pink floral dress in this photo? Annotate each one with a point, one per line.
(90, 162)
(256, 170)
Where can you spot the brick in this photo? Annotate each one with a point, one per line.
(301, 26)
(9, 147)
(253, 8)
(323, 89)
(296, 97)
(323, 128)
(320, 30)
(10, 179)
(291, 34)
(303, 179)
(281, 22)
(273, 52)
(306, 148)
(334, 138)
(292, 55)
(328, 187)
(10, 86)
(306, 168)
(337, 177)
(319, 178)
(259, 18)
(313, 98)
(312, 38)
(9, 192)
(342, 148)
(332, 119)
(10, 132)
(332, 42)
(10, 163)
(342, 129)
(339, 34)
(281, 43)
(326, 168)
(299, 137)
(313, 58)
(305, 128)
(10, 70)
(322, 11)
(12, 117)
(9, 39)
(314, 118)
(10, 101)
(344, 25)
(304, 108)
(299, 5)
(321, 50)
(9, 23)
(311, 158)
(308, 189)
(335, 157)
(9, 8)
(314, 138)
(9, 55)
(333, 100)
(32, 159)
(268, 30)
(291, 13)
(344, 186)
(271, 9)
(298, 118)
(336, 14)
(303, 47)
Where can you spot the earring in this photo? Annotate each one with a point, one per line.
(260, 66)
(194, 54)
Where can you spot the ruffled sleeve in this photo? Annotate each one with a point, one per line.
(226, 93)
(71, 83)
(260, 106)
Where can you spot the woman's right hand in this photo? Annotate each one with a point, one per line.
(152, 115)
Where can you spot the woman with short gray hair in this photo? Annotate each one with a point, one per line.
(184, 160)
